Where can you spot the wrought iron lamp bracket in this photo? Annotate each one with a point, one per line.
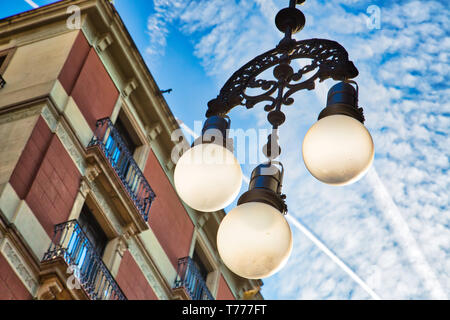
(328, 58)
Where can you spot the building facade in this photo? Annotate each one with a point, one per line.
(88, 209)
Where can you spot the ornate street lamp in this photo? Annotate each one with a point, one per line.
(254, 239)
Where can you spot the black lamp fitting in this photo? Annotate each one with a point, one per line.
(265, 186)
(343, 99)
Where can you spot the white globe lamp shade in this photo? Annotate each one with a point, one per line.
(338, 150)
(208, 177)
(254, 240)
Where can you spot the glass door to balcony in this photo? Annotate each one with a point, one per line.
(121, 147)
(86, 240)
(190, 277)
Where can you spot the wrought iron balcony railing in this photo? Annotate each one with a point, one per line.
(111, 143)
(189, 278)
(71, 244)
(2, 82)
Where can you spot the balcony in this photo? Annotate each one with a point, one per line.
(2, 82)
(190, 279)
(113, 148)
(76, 257)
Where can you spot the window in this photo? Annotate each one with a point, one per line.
(122, 128)
(2, 81)
(200, 265)
(86, 241)
(134, 135)
(92, 230)
(112, 144)
(206, 266)
(5, 58)
(126, 137)
(2, 60)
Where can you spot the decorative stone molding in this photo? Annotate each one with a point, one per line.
(249, 294)
(129, 231)
(88, 30)
(129, 88)
(50, 290)
(69, 141)
(20, 114)
(80, 199)
(170, 165)
(106, 208)
(104, 42)
(49, 118)
(19, 265)
(154, 131)
(147, 270)
(72, 149)
(84, 188)
(92, 172)
(122, 246)
(56, 279)
(202, 220)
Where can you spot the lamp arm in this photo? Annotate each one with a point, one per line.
(327, 58)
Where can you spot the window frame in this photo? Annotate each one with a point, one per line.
(8, 53)
(87, 198)
(136, 131)
(90, 225)
(209, 261)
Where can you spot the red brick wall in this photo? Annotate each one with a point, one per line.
(31, 158)
(94, 91)
(224, 292)
(132, 281)
(11, 287)
(168, 218)
(74, 63)
(46, 177)
(54, 190)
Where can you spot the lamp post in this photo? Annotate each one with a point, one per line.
(254, 239)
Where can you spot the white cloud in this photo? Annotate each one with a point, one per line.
(404, 75)
(157, 24)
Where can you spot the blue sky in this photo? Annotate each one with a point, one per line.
(392, 228)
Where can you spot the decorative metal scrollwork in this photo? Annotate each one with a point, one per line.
(328, 57)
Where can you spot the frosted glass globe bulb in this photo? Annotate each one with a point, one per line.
(254, 240)
(338, 150)
(208, 177)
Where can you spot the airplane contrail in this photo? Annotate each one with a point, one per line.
(302, 228)
(404, 235)
(333, 256)
(187, 129)
(31, 3)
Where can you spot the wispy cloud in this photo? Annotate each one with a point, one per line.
(393, 227)
(403, 233)
(157, 24)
